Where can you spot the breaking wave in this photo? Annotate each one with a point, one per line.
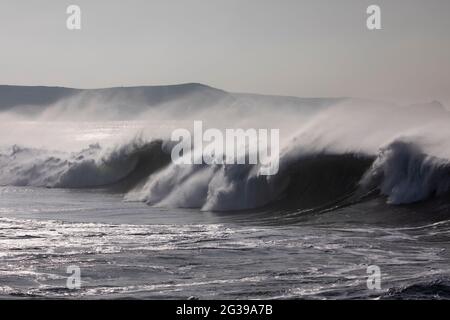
(91, 167)
(334, 152)
(143, 171)
(405, 174)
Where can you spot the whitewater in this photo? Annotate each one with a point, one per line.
(87, 179)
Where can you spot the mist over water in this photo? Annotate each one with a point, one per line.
(354, 175)
(82, 141)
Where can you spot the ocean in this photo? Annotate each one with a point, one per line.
(356, 189)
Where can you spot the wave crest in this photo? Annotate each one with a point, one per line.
(91, 167)
(405, 174)
(142, 170)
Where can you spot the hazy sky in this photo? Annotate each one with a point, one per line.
(289, 47)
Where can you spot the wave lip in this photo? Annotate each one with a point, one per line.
(405, 174)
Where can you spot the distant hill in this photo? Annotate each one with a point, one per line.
(13, 96)
(128, 102)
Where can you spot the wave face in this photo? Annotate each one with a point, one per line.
(334, 152)
(309, 182)
(143, 170)
(91, 167)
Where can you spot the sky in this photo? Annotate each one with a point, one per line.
(308, 48)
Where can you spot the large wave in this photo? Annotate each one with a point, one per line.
(334, 152)
(143, 171)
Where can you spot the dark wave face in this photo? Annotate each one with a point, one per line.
(143, 171)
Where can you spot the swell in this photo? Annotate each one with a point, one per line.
(401, 173)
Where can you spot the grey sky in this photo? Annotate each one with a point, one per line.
(289, 47)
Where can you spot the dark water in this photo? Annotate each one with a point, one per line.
(130, 250)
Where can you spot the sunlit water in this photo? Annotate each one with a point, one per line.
(130, 250)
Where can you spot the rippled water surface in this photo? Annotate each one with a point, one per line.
(130, 250)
